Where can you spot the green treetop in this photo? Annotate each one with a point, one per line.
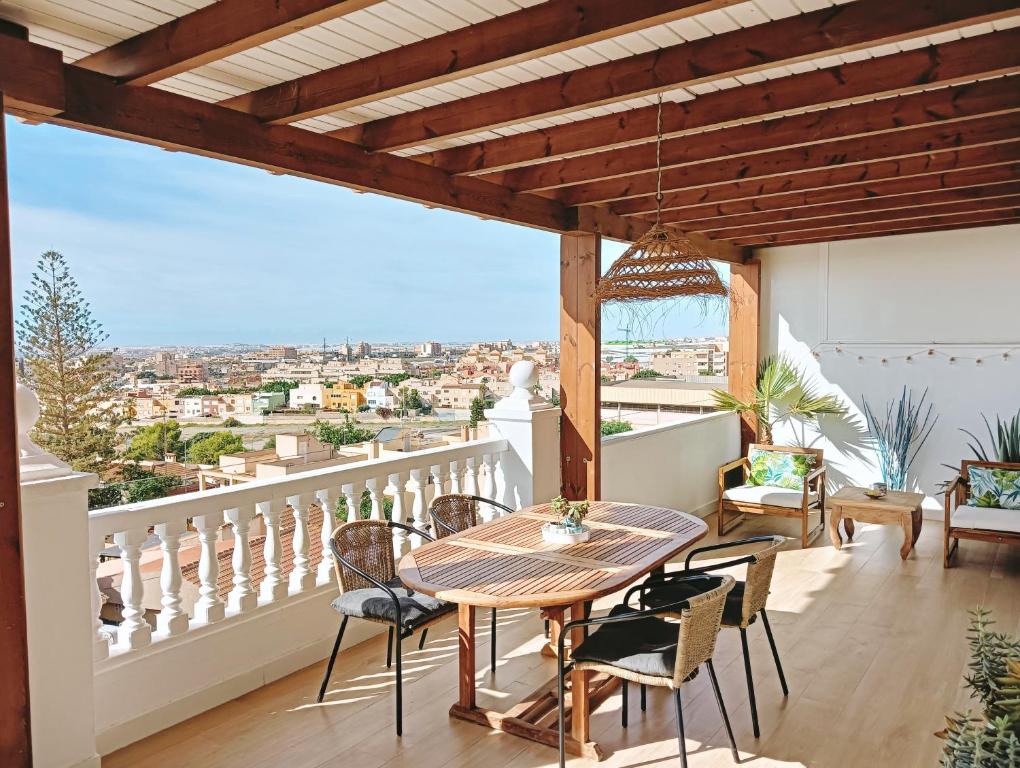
(155, 441)
(58, 338)
(209, 449)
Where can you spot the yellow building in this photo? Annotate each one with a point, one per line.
(342, 395)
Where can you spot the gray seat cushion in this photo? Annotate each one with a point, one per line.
(415, 608)
(646, 646)
(681, 590)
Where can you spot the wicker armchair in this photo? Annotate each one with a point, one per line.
(370, 589)
(456, 512)
(640, 646)
(963, 521)
(745, 499)
(743, 604)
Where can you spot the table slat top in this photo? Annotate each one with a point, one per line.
(506, 563)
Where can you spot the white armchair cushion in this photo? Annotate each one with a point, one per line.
(767, 494)
(986, 519)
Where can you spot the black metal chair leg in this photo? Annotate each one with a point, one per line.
(389, 649)
(560, 696)
(722, 710)
(750, 683)
(400, 689)
(680, 728)
(421, 640)
(547, 628)
(775, 652)
(492, 644)
(644, 701)
(332, 658)
(623, 709)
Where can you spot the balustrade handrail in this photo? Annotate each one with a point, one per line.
(109, 520)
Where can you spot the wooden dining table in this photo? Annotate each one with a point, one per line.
(507, 564)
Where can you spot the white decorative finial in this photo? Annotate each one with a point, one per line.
(35, 463)
(524, 377)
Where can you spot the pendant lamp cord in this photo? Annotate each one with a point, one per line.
(658, 162)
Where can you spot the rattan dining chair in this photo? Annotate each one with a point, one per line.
(641, 646)
(743, 605)
(370, 589)
(456, 512)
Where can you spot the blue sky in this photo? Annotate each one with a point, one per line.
(171, 248)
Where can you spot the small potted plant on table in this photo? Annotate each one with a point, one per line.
(570, 529)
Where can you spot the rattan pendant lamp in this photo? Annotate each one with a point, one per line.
(663, 263)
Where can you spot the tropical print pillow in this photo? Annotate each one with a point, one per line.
(994, 487)
(779, 468)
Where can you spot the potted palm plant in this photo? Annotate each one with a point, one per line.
(781, 392)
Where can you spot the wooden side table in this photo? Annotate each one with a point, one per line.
(895, 508)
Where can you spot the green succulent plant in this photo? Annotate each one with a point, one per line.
(991, 740)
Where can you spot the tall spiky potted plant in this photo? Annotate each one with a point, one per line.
(781, 392)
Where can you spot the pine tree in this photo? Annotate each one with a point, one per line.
(58, 337)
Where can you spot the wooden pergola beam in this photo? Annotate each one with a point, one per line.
(860, 234)
(892, 192)
(936, 106)
(540, 30)
(918, 211)
(793, 160)
(598, 219)
(825, 32)
(97, 103)
(211, 33)
(828, 234)
(823, 178)
(962, 60)
(720, 226)
(32, 77)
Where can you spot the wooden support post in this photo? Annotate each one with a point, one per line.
(466, 648)
(580, 382)
(15, 729)
(745, 324)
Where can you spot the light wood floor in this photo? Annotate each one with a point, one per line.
(873, 649)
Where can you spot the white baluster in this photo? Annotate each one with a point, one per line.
(504, 494)
(352, 492)
(100, 637)
(171, 620)
(325, 535)
(471, 476)
(487, 481)
(273, 586)
(454, 477)
(418, 504)
(209, 607)
(302, 578)
(242, 597)
(440, 476)
(396, 482)
(134, 631)
(373, 495)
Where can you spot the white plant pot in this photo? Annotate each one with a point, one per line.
(554, 533)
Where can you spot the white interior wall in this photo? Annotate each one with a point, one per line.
(839, 308)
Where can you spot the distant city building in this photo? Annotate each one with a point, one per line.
(304, 395)
(430, 349)
(342, 396)
(379, 395)
(364, 349)
(691, 360)
(458, 396)
(191, 372)
(165, 364)
(280, 352)
(267, 401)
